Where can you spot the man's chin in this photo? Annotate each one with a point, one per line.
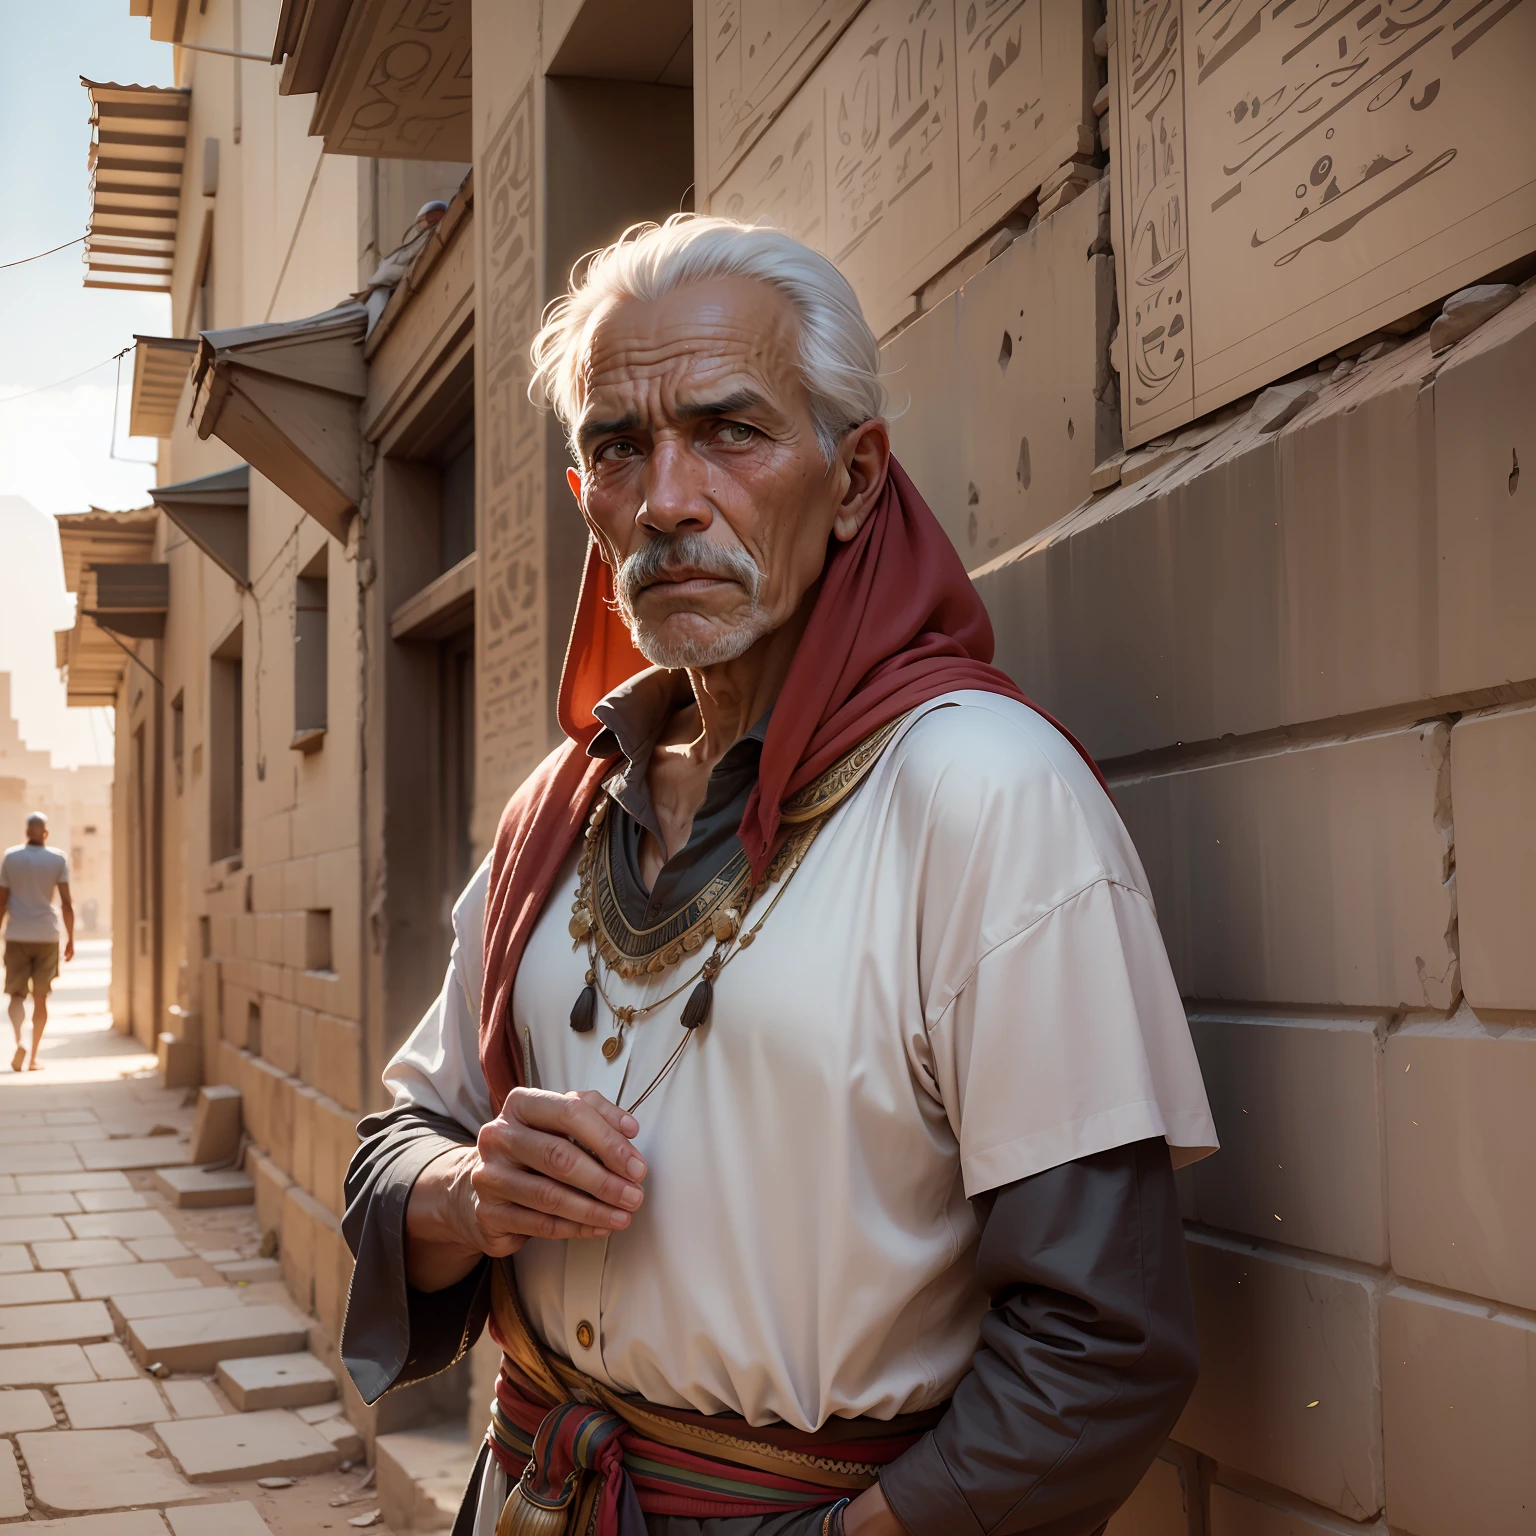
(695, 645)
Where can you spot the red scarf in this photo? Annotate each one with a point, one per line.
(896, 623)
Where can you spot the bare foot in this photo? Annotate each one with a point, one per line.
(32, 1066)
(18, 1058)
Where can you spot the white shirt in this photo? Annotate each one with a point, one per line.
(32, 872)
(963, 985)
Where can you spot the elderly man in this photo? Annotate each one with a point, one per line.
(29, 875)
(804, 1095)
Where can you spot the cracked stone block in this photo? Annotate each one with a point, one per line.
(191, 1399)
(197, 1189)
(121, 1224)
(276, 1381)
(37, 1285)
(217, 1520)
(1458, 1402)
(58, 1322)
(110, 1361)
(1288, 1388)
(270, 1443)
(128, 1278)
(179, 1303)
(1309, 875)
(77, 1470)
(1461, 1143)
(24, 1409)
(84, 1253)
(200, 1342)
(112, 1404)
(1465, 311)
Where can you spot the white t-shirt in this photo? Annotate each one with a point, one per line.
(963, 985)
(32, 872)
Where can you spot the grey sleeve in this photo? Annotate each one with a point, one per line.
(1086, 1358)
(394, 1334)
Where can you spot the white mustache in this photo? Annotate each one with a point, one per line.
(693, 552)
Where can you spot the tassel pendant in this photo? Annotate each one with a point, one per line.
(696, 1009)
(584, 1010)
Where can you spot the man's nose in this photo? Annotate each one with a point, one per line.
(676, 499)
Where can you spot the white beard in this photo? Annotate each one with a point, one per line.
(698, 552)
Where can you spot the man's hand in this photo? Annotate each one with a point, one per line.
(550, 1165)
(69, 949)
(870, 1515)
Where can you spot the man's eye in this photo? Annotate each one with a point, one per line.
(737, 432)
(619, 450)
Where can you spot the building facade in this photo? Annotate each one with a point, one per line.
(1211, 343)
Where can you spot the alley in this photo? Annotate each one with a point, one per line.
(124, 1320)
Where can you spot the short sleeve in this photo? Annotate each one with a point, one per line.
(5, 872)
(1069, 1038)
(63, 869)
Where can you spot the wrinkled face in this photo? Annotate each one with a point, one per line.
(702, 478)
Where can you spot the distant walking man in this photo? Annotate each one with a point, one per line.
(29, 875)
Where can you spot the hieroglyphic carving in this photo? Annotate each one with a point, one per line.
(756, 53)
(509, 617)
(933, 120)
(401, 85)
(1343, 162)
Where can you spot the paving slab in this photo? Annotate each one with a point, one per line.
(217, 1520)
(112, 1404)
(33, 1229)
(218, 1256)
(251, 1271)
(111, 1200)
(54, 1322)
(120, 1224)
(110, 1361)
(24, 1408)
(13, 1497)
(276, 1381)
(157, 1248)
(132, 1522)
(200, 1342)
(272, 1443)
(125, 1152)
(38, 1183)
(83, 1253)
(191, 1399)
(196, 1188)
(124, 1279)
(70, 1117)
(44, 1365)
(76, 1470)
(14, 1257)
(47, 1159)
(33, 1286)
(179, 1303)
(57, 1202)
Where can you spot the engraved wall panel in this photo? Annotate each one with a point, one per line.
(1291, 174)
(925, 124)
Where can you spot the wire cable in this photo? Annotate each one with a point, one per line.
(43, 388)
(78, 240)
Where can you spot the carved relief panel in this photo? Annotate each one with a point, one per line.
(1290, 173)
(925, 123)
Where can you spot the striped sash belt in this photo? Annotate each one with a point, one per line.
(588, 1461)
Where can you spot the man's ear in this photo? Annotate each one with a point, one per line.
(573, 479)
(866, 452)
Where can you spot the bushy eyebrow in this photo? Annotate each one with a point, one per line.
(699, 410)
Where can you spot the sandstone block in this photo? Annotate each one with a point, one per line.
(13, 1498)
(1159, 1507)
(238, 1519)
(1288, 1375)
(1313, 875)
(271, 1185)
(40, 1183)
(111, 1200)
(193, 1189)
(207, 1298)
(335, 1134)
(34, 1286)
(134, 1152)
(157, 1248)
(216, 1127)
(14, 1258)
(1458, 1402)
(44, 1365)
(122, 1522)
(250, 1271)
(55, 1322)
(121, 1224)
(112, 1404)
(32, 1229)
(180, 1060)
(128, 1279)
(84, 1469)
(1493, 765)
(304, 1098)
(338, 1069)
(301, 1214)
(272, 1443)
(191, 1399)
(344, 1436)
(110, 1361)
(58, 1203)
(88, 1253)
(1461, 1142)
(200, 1341)
(421, 1476)
(280, 1033)
(333, 1277)
(276, 1381)
(25, 1409)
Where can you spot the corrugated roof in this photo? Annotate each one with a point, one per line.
(138, 143)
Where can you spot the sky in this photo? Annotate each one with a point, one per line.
(56, 444)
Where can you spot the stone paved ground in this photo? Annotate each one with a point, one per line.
(92, 1443)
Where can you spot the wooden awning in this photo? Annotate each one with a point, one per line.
(212, 512)
(138, 143)
(160, 368)
(91, 655)
(285, 397)
(392, 81)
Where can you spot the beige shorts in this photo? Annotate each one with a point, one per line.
(26, 961)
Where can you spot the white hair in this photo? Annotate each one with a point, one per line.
(839, 357)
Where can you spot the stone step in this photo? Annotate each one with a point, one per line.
(422, 1474)
(344, 1436)
(200, 1342)
(269, 1443)
(276, 1381)
(134, 1308)
(250, 1271)
(197, 1189)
